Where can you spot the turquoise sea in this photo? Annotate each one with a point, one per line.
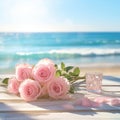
(74, 48)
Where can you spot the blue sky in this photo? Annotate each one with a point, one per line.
(59, 15)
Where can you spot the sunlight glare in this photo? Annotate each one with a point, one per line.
(28, 12)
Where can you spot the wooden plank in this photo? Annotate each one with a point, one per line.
(50, 106)
(110, 82)
(13, 107)
(61, 116)
(5, 97)
(3, 89)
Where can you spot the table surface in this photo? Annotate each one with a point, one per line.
(14, 108)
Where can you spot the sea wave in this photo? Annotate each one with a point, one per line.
(75, 51)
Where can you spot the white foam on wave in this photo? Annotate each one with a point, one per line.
(29, 53)
(87, 51)
(79, 51)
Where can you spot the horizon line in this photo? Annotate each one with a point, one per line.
(97, 31)
(59, 28)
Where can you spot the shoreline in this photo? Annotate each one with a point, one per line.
(105, 69)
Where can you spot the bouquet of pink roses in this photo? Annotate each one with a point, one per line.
(44, 79)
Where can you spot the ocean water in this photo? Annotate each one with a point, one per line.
(73, 48)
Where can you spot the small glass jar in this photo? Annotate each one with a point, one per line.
(94, 82)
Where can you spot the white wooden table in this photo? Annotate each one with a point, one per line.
(14, 108)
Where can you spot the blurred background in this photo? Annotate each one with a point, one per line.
(84, 33)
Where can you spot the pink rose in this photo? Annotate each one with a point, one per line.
(13, 86)
(46, 61)
(23, 71)
(58, 88)
(30, 90)
(44, 92)
(44, 71)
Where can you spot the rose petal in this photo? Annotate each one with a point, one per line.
(86, 102)
(114, 102)
(78, 102)
(102, 99)
(68, 106)
(95, 104)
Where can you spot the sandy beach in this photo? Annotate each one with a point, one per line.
(108, 70)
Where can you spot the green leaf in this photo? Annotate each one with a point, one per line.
(76, 71)
(58, 73)
(67, 76)
(5, 81)
(72, 89)
(71, 73)
(56, 66)
(70, 79)
(64, 74)
(62, 66)
(68, 68)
